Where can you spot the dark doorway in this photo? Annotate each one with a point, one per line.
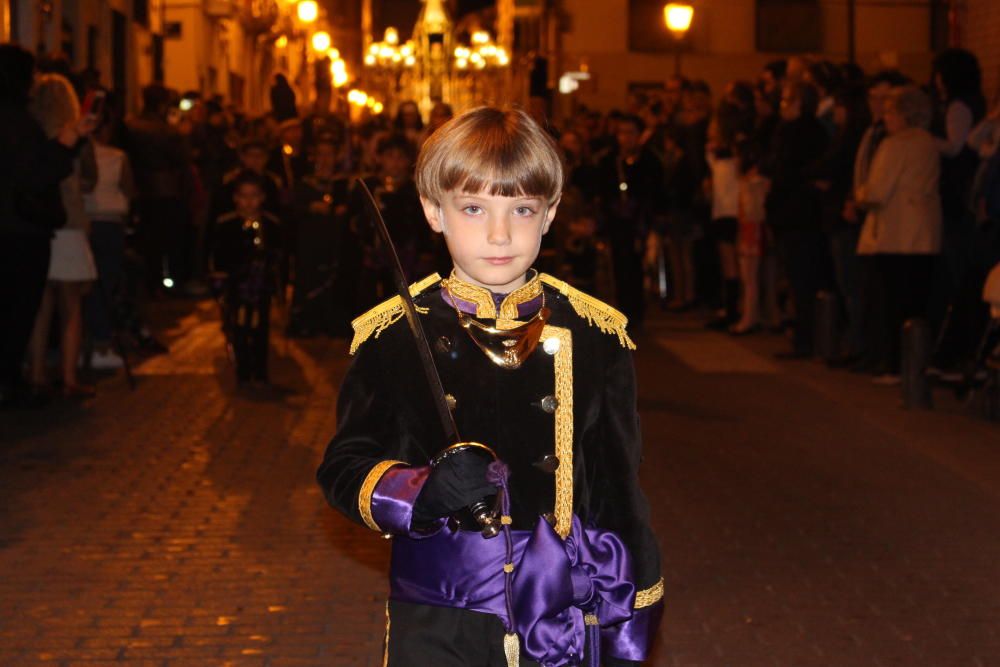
(119, 35)
(158, 58)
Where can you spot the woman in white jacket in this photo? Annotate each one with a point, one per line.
(902, 229)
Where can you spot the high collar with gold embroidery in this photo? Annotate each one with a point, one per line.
(479, 301)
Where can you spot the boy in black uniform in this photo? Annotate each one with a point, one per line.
(398, 199)
(247, 249)
(537, 373)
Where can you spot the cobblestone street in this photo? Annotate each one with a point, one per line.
(804, 518)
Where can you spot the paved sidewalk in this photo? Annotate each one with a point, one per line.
(804, 519)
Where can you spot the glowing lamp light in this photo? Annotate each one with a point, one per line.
(570, 81)
(370, 102)
(386, 52)
(369, 60)
(406, 49)
(281, 42)
(502, 58)
(378, 108)
(373, 49)
(307, 10)
(357, 97)
(678, 18)
(480, 37)
(461, 63)
(410, 61)
(321, 41)
(333, 54)
(391, 36)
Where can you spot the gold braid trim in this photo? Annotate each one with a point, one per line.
(649, 596)
(563, 367)
(368, 488)
(382, 316)
(388, 624)
(595, 311)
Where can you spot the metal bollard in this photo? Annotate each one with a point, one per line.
(825, 332)
(915, 348)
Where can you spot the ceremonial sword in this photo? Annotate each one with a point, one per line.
(480, 510)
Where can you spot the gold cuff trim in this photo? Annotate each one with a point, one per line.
(590, 619)
(368, 488)
(595, 311)
(384, 315)
(649, 596)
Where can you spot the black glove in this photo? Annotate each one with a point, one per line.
(455, 483)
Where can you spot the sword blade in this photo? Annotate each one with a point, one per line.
(413, 319)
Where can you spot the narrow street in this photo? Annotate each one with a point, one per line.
(804, 518)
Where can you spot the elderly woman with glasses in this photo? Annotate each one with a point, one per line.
(902, 228)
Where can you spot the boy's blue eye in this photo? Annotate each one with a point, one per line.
(472, 209)
(524, 211)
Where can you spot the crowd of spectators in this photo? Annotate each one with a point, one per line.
(814, 179)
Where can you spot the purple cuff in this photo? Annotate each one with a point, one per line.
(632, 639)
(394, 496)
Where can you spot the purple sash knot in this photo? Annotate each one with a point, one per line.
(557, 582)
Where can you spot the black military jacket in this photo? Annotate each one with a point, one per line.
(565, 422)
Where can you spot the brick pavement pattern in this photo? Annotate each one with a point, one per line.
(804, 519)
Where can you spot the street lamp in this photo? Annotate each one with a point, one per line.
(678, 17)
(321, 41)
(307, 10)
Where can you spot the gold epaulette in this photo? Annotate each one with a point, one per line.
(382, 316)
(595, 311)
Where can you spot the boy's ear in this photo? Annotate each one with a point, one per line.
(550, 215)
(433, 214)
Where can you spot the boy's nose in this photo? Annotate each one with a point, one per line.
(498, 232)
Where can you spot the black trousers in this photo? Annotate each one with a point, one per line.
(163, 235)
(250, 331)
(424, 636)
(807, 264)
(906, 286)
(24, 269)
(627, 259)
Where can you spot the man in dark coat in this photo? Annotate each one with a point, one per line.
(794, 206)
(160, 164)
(31, 168)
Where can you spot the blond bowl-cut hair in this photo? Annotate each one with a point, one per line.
(502, 152)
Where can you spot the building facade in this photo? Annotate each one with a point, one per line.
(625, 43)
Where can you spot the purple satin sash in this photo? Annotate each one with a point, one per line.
(556, 582)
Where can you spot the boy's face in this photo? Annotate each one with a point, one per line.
(493, 240)
(254, 159)
(248, 199)
(394, 164)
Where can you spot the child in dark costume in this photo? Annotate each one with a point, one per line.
(247, 250)
(540, 381)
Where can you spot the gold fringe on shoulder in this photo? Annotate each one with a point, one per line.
(382, 316)
(595, 311)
